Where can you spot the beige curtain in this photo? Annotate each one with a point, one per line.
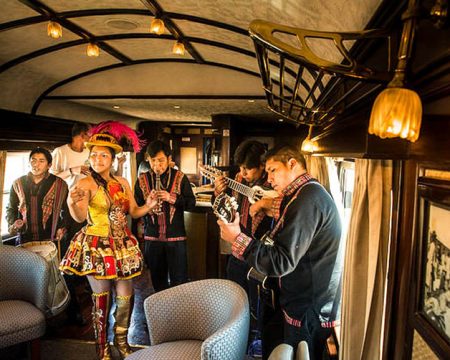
(318, 168)
(133, 169)
(2, 183)
(366, 261)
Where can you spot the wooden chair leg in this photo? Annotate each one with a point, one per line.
(35, 349)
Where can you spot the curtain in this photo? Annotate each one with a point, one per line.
(2, 183)
(133, 169)
(318, 168)
(366, 260)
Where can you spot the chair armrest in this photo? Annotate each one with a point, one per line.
(233, 337)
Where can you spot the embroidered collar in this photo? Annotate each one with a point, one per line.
(293, 186)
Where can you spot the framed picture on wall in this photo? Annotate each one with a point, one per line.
(433, 286)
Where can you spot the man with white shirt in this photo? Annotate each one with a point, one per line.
(69, 161)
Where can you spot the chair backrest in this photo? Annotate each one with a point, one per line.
(24, 276)
(198, 309)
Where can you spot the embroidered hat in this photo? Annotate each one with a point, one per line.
(104, 140)
(111, 133)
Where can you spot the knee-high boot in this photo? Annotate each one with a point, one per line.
(100, 313)
(122, 316)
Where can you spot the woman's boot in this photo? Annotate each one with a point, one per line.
(122, 316)
(100, 313)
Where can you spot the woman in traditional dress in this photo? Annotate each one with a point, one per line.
(105, 250)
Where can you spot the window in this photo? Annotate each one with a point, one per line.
(16, 166)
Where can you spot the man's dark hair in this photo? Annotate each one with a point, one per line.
(285, 152)
(156, 146)
(79, 128)
(44, 151)
(250, 154)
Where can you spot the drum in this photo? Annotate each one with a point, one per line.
(58, 293)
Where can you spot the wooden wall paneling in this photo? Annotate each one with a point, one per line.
(399, 338)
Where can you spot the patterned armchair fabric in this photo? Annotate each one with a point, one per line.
(206, 319)
(23, 295)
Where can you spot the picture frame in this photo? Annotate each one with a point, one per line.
(432, 307)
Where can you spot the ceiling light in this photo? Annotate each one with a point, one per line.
(178, 48)
(157, 26)
(308, 145)
(92, 50)
(116, 107)
(397, 111)
(280, 120)
(251, 101)
(176, 106)
(54, 30)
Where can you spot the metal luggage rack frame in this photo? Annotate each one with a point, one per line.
(306, 88)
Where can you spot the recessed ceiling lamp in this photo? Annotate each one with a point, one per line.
(54, 30)
(280, 120)
(121, 24)
(176, 106)
(92, 50)
(157, 26)
(178, 48)
(251, 101)
(116, 107)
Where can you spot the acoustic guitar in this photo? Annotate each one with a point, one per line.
(254, 193)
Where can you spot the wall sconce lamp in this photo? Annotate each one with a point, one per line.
(92, 50)
(308, 145)
(178, 48)
(397, 111)
(54, 30)
(157, 26)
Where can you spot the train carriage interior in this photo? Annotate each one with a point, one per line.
(360, 87)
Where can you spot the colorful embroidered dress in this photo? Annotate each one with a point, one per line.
(105, 247)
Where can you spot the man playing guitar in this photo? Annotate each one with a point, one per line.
(249, 156)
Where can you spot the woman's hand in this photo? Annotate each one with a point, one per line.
(230, 231)
(77, 194)
(152, 201)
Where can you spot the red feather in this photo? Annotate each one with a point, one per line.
(119, 131)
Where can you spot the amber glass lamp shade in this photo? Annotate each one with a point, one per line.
(397, 112)
(309, 146)
(157, 26)
(92, 50)
(178, 48)
(54, 30)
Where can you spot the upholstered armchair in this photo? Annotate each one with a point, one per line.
(206, 319)
(23, 294)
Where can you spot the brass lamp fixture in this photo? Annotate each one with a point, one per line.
(157, 26)
(92, 50)
(54, 30)
(308, 145)
(397, 111)
(178, 48)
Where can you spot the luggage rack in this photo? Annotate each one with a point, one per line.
(306, 88)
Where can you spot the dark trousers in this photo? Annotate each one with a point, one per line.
(167, 261)
(312, 332)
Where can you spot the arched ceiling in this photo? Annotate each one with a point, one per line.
(136, 77)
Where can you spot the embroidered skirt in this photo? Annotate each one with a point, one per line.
(103, 257)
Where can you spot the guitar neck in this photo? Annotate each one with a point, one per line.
(233, 184)
(240, 188)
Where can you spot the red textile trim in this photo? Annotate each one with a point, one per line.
(329, 324)
(34, 217)
(239, 245)
(173, 198)
(292, 321)
(152, 238)
(276, 207)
